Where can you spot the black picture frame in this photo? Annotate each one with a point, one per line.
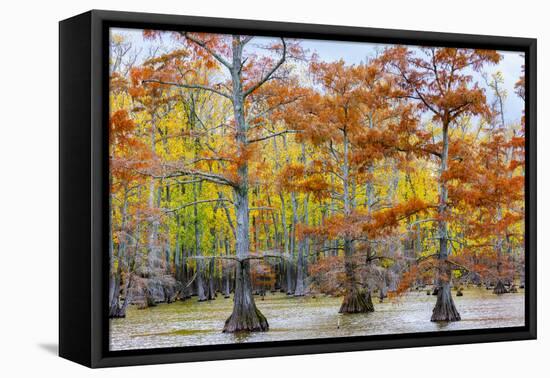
(83, 195)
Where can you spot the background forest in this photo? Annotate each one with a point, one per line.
(243, 166)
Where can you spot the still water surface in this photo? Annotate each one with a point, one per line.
(200, 323)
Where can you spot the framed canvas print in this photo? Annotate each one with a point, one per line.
(233, 188)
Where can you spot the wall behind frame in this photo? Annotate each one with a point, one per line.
(29, 160)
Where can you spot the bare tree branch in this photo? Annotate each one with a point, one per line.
(272, 136)
(227, 215)
(269, 74)
(261, 256)
(247, 39)
(189, 86)
(178, 172)
(271, 108)
(202, 44)
(196, 203)
(198, 160)
(212, 177)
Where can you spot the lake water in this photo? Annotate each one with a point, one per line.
(200, 323)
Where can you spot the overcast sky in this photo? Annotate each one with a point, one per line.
(356, 52)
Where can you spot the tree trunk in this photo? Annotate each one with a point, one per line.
(300, 284)
(286, 283)
(227, 285)
(153, 248)
(226, 273)
(188, 273)
(444, 309)
(198, 251)
(290, 261)
(355, 300)
(299, 291)
(177, 252)
(115, 308)
(300, 268)
(245, 316)
(294, 207)
(167, 253)
(500, 288)
(119, 311)
(211, 282)
(114, 305)
(113, 293)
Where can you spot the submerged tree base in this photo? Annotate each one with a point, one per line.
(117, 313)
(500, 288)
(246, 317)
(445, 310)
(356, 301)
(250, 320)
